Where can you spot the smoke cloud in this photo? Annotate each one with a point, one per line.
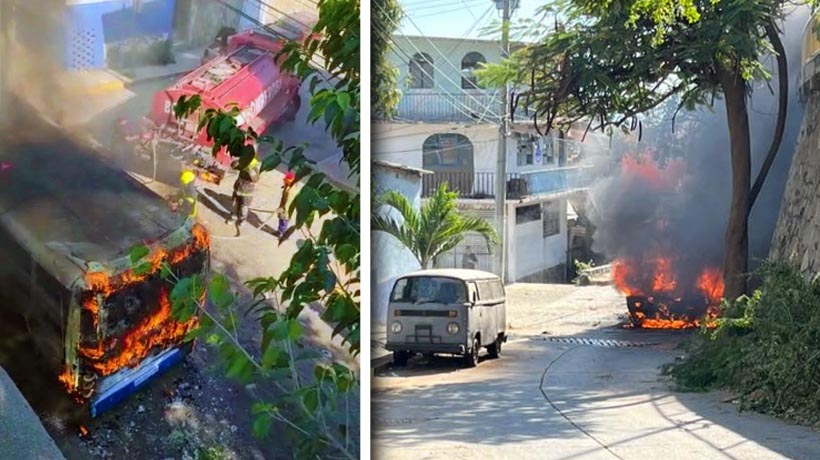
(675, 197)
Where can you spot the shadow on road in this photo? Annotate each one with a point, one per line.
(593, 396)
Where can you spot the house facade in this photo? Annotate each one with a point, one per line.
(446, 123)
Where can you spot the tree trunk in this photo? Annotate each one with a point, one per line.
(736, 261)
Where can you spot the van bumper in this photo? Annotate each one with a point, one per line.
(455, 348)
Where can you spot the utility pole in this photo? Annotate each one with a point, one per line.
(5, 56)
(501, 168)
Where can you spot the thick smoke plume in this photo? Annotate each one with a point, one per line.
(670, 196)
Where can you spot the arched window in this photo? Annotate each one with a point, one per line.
(447, 152)
(450, 157)
(469, 64)
(421, 71)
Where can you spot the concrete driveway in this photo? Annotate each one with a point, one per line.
(549, 399)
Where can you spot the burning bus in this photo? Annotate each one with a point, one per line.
(68, 222)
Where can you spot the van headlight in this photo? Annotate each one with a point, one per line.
(395, 327)
(452, 328)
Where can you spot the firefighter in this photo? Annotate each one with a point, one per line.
(187, 202)
(243, 190)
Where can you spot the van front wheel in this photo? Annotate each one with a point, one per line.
(400, 358)
(494, 350)
(471, 357)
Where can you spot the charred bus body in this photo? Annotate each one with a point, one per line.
(68, 222)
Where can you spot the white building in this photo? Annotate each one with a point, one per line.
(445, 123)
(391, 259)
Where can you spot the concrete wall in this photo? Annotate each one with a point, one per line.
(447, 72)
(402, 143)
(530, 255)
(391, 259)
(797, 235)
(201, 20)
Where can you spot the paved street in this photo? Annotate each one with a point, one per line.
(544, 399)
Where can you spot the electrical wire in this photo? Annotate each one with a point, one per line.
(439, 51)
(446, 77)
(448, 97)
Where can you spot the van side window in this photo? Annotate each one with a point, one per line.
(498, 289)
(485, 291)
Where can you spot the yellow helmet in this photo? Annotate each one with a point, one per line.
(187, 177)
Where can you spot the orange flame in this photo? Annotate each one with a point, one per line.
(664, 280)
(711, 285)
(159, 329)
(661, 278)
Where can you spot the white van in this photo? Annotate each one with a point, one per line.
(446, 311)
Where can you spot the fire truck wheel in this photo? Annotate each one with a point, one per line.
(471, 357)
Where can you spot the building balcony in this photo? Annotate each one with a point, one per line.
(481, 185)
(435, 106)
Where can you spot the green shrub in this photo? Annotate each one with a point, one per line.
(766, 348)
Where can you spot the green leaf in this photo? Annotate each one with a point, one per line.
(137, 253)
(272, 357)
(165, 271)
(219, 292)
(262, 425)
(294, 329)
(311, 400)
(343, 100)
(142, 269)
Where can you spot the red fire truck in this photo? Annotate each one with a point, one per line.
(247, 75)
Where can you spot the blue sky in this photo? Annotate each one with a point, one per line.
(457, 18)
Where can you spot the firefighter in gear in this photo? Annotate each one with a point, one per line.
(187, 202)
(243, 190)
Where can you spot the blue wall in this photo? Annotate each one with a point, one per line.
(92, 25)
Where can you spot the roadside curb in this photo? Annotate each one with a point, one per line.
(379, 364)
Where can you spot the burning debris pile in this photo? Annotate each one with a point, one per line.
(666, 260)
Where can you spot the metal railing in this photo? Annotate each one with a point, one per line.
(436, 106)
(478, 185)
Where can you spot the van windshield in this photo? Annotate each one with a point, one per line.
(432, 289)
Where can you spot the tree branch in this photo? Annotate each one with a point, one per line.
(782, 106)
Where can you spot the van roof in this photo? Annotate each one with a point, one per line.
(64, 204)
(459, 273)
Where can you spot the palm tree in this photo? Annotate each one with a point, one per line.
(436, 228)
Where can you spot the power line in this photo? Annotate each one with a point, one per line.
(436, 48)
(390, 39)
(448, 97)
(426, 9)
(399, 49)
